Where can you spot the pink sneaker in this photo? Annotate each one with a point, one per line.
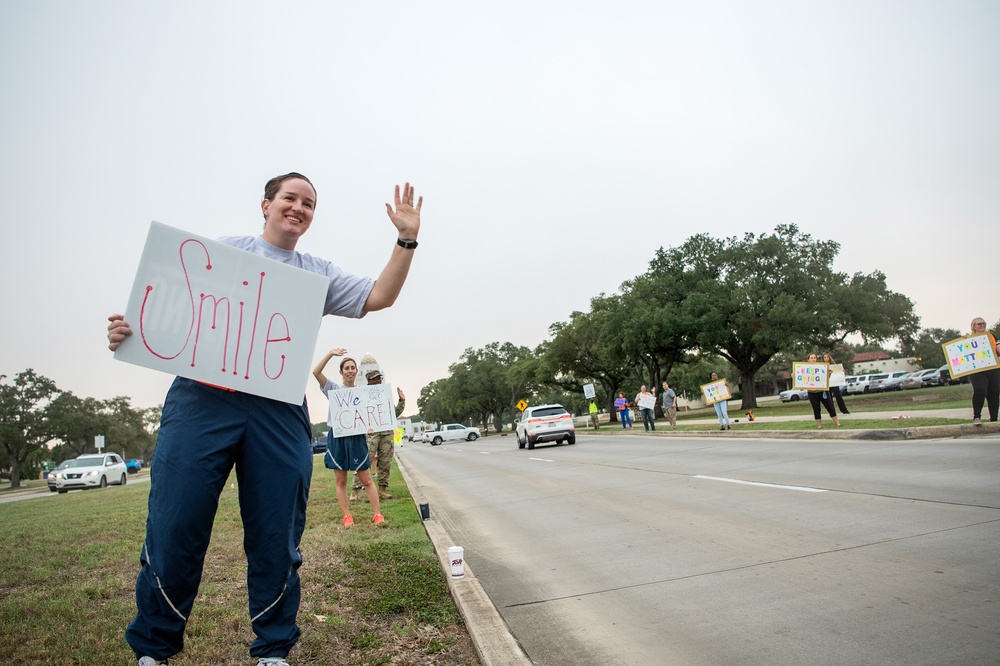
(379, 518)
(348, 520)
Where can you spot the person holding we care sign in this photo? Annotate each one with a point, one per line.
(206, 431)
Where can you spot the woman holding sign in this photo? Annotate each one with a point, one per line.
(621, 404)
(721, 407)
(985, 384)
(206, 431)
(835, 388)
(822, 396)
(348, 453)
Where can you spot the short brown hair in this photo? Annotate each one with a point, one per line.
(273, 185)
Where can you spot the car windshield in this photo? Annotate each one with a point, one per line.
(548, 411)
(85, 462)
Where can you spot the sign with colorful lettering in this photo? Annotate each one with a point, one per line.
(811, 376)
(645, 400)
(969, 355)
(357, 409)
(837, 375)
(214, 313)
(715, 392)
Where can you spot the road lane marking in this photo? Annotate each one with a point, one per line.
(763, 485)
(541, 459)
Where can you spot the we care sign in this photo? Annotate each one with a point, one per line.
(211, 312)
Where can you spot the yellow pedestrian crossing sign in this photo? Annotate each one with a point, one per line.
(521, 405)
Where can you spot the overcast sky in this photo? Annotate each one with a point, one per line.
(556, 144)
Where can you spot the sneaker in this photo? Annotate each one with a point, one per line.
(348, 520)
(722, 427)
(727, 427)
(846, 412)
(977, 421)
(379, 518)
(272, 661)
(149, 661)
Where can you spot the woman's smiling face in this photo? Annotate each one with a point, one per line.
(288, 216)
(349, 371)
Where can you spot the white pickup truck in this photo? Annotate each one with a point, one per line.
(451, 431)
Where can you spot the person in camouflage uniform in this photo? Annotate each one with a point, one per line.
(380, 447)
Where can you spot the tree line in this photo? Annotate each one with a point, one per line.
(744, 307)
(39, 422)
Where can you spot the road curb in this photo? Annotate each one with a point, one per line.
(495, 644)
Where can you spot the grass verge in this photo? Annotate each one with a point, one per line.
(370, 594)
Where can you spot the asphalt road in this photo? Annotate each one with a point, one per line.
(641, 550)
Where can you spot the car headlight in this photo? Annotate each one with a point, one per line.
(94, 472)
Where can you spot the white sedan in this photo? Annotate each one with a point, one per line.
(793, 395)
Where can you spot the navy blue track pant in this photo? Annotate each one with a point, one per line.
(204, 433)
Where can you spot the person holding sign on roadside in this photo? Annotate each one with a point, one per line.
(348, 453)
(721, 405)
(985, 384)
(837, 382)
(621, 404)
(206, 431)
(817, 396)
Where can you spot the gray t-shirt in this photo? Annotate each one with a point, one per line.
(346, 294)
(669, 398)
(329, 386)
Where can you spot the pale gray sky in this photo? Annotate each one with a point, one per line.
(557, 145)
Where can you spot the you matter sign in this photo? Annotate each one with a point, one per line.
(211, 312)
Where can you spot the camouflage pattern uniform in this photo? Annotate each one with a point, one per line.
(380, 448)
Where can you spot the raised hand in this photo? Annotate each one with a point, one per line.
(406, 216)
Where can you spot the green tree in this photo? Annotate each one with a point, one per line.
(76, 421)
(24, 427)
(750, 298)
(927, 346)
(588, 349)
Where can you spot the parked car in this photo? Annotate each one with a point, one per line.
(51, 476)
(91, 471)
(847, 387)
(860, 384)
(793, 395)
(450, 431)
(944, 377)
(319, 445)
(915, 380)
(893, 382)
(875, 382)
(134, 465)
(933, 378)
(545, 423)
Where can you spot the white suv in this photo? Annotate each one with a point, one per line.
(545, 423)
(91, 471)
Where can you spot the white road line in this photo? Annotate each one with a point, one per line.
(541, 459)
(763, 485)
(484, 453)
